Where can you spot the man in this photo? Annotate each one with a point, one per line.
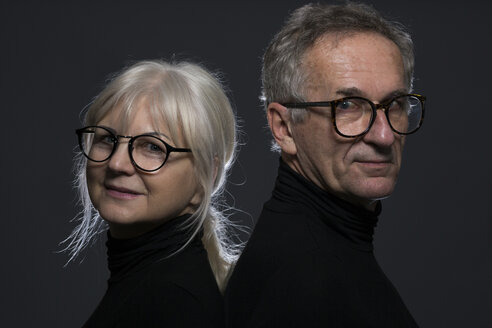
(337, 82)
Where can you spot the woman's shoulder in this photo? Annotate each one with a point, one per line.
(182, 284)
(186, 273)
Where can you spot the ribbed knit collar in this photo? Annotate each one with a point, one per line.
(126, 256)
(354, 223)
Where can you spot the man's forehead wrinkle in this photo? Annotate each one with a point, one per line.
(356, 92)
(324, 64)
(348, 65)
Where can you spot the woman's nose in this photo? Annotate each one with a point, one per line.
(120, 161)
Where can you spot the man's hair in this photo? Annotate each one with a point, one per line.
(283, 74)
(194, 105)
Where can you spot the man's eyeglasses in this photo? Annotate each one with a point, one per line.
(353, 116)
(147, 152)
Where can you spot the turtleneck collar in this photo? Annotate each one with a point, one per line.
(126, 256)
(354, 223)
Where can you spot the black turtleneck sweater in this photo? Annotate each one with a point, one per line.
(152, 286)
(310, 263)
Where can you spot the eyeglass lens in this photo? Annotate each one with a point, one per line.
(148, 152)
(353, 116)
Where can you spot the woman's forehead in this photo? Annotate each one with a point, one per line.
(138, 118)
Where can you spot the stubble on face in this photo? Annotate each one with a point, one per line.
(362, 169)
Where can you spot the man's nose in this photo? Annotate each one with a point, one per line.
(120, 160)
(380, 133)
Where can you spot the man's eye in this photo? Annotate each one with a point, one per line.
(346, 104)
(398, 105)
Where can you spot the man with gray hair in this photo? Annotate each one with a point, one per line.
(337, 83)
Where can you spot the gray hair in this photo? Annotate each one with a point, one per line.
(283, 75)
(194, 105)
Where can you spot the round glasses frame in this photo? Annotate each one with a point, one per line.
(383, 106)
(169, 148)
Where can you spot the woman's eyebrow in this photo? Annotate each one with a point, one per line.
(152, 133)
(109, 128)
(155, 133)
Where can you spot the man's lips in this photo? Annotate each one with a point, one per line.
(122, 192)
(374, 163)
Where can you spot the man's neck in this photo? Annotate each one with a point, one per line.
(293, 163)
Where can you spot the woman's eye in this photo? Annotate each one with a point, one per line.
(105, 139)
(151, 147)
(109, 139)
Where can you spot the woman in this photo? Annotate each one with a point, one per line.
(155, 150)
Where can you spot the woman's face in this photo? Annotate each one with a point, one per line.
(133, 201)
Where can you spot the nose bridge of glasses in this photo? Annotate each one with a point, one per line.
(384, 108)
(118, 141)
(121, 158)
(381, 106)
(118, 136)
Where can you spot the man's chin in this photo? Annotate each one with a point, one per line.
(378, 193)
(372, 191)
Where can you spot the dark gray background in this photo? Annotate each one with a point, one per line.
(434, 237)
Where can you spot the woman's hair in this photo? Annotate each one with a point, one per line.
(195, 108)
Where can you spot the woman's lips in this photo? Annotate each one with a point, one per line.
(121, 192)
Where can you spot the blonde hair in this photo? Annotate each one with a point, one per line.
(195, 107)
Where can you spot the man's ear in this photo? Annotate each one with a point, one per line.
(280, 124)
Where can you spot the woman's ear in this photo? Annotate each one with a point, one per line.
(280, 124)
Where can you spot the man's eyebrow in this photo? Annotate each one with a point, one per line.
(356, 92)
(350, 92)
(393, 94)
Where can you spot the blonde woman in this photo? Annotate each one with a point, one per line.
(154, 153)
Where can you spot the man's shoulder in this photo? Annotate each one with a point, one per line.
(284, 232)
(289, 273)
(288, 243)
(307, 265)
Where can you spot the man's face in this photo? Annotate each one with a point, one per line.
(361, 169)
